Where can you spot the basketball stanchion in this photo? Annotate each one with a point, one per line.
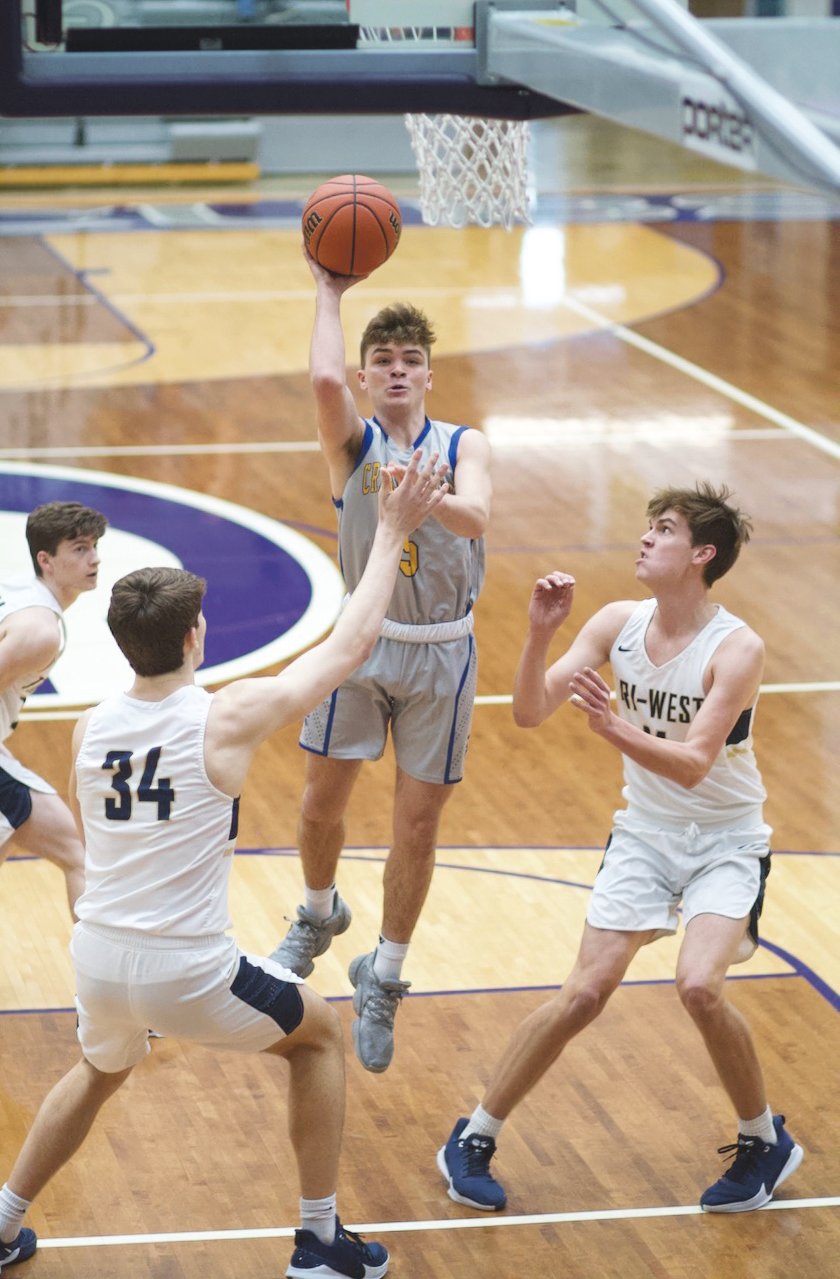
(472, 170)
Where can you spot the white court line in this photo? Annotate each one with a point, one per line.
(592, 439)
(171, 450)
(699, 374)
(492, 699)
(408, 1227)
(824, 686)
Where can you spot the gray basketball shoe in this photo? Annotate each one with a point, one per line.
(309, 937)
(376, 1003)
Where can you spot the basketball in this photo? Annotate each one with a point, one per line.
(351, 224)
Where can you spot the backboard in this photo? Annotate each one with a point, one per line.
(245, 57)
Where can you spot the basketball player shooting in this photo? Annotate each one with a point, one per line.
(420, 680)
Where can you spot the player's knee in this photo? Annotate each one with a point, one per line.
(699, 995)
(587, 996)
(321, 1024)
(591, 999)
(320, 809)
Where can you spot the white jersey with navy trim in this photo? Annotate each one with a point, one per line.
(664, 700)
(16, 594)
(159, 836)
(441, 573)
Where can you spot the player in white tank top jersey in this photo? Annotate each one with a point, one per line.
(159, 836)
(419, 683)
(158, 770)
(663, 700)
(687, 676)
(62, 538)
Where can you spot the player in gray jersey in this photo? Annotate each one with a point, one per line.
(62, 539)
(157, 774)
(687, 676)
(420, 680)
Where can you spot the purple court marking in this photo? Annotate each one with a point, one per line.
(800, 969)
(84, 279)
(613, 208)
(256, 590)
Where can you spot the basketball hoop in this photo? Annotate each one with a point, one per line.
(472, 170)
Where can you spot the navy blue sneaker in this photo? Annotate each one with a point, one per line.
(347, 1257)
(20, 1249)
(465, 1164)
(755, 1173)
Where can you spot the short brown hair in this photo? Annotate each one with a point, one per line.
(711, 520)
(401, 324)
(57, 522)
(150, 612)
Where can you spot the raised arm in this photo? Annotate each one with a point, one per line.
(248, 711)
(340, 428)
(734, 676)
(538, 692)
(466, 511)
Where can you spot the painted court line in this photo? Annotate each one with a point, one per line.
(700, 374)
(409, 1227)
(494, 699)
(149, 450)
(311, 446)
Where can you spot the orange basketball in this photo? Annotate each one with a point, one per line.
(351, 224)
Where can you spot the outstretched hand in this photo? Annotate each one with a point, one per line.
(551, 600)
(409, 495)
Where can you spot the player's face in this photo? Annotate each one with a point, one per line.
(396, 375)
(666, 552)
(201, 632)
(74, 567)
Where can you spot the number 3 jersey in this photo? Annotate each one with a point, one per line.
(159, 836)
(440, 573)
(663, 700)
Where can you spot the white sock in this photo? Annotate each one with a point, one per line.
(12, 1212)
(388, 960)
(761, 1126)
(319, 901)
(482, 1124)
(318, 1215)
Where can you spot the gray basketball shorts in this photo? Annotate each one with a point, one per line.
(424, 692)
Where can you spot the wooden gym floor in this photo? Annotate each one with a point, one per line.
(617, 345)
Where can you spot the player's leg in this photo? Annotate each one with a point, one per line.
(408, 871)
(60, 1127)
(535, 1045)
(50, 831)
(708, 950)
(765, 1153)
(323, 914)
(315, 1053)
(430, 726)
(377, 975)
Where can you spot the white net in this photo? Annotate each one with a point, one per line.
(471, 170)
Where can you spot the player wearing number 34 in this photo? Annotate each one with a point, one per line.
(157, 771)
(687, 676)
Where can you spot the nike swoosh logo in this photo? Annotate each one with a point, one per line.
(625, 648)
